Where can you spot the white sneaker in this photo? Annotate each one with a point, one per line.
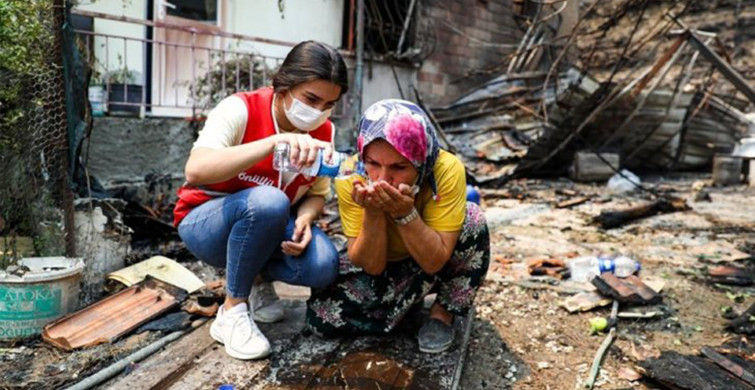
(237, 331)
(265, 303)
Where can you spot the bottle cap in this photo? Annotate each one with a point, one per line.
(605, 265)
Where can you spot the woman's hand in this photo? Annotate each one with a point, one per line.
(396, 202)
(304, 148)
(383, 197)
(301, 238)
(359, 194)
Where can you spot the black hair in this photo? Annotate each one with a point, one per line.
(311, 60)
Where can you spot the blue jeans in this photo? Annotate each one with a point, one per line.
(242, 232)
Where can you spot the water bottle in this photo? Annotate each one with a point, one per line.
(473, 195)
(583, 269)
(624, 266)
(339, 165)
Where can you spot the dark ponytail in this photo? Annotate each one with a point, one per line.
(311, 60)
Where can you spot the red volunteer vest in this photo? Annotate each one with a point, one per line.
(259, 124)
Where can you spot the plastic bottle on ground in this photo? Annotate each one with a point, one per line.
(624, 266)
(584, 268)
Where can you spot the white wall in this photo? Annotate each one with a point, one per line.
(383, 85)
(320, 20)
(301, 20)
(130, 53)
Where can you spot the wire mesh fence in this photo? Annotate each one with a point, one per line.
(35, 200)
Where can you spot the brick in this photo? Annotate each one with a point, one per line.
(430, 66)
(496, 7)
(630, 290)
(456, 8)
(438, 90)
(439, 13)
(430, 77)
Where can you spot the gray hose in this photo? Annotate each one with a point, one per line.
(120, 365)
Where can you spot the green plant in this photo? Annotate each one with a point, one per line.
(209, 88)
(97, 75)
(31, 133)
(25, 39)
(21, 57)
(122, 75)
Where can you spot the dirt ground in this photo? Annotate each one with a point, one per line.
(524, 340)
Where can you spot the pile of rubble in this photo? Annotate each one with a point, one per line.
(672, 105)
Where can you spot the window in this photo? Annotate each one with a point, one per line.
(202, 10)
(383, 25)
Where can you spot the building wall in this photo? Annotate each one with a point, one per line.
(484, 26)
(301, 20)
(378, 83)
(131, 154)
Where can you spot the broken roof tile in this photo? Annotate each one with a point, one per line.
(114, 316)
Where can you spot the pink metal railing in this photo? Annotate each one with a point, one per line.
(159, 92)
(183, 91)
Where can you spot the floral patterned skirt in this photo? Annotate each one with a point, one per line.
(358, 302)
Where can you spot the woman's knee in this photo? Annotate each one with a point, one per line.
(475, 224)
(269, 204)
(472, 249)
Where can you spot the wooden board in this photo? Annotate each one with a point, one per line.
(196, 361)
(302, 361)
(172, 361)
(677, 371)
(215, 368)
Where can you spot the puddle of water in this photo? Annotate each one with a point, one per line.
(356, 370)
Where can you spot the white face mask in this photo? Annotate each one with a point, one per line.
(304, 117)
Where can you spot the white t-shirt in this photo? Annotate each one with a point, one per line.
(225, 127)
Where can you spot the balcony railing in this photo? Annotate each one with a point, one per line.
(184, 70)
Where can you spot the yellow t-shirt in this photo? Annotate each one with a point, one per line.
(444, 215)
(321, 187)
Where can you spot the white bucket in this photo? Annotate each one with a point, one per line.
(47, 292)
(97, 99)
(727, 169)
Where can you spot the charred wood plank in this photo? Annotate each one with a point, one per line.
(728, 365)
(609, 219)
(572, 202)
(732, 75)
(743, 324)
(730, 275)
(677, 371)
